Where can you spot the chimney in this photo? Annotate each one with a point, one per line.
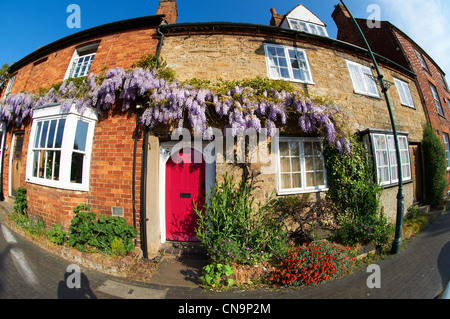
(346, 28)
(276, 18)
(169, 9)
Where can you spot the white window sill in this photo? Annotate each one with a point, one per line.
(301, 191)
(71, 187)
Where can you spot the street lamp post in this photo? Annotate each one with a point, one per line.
(400, 196)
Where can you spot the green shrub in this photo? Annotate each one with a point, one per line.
(215, 275)
(20, 202)
(57, 235)
(364, 230)
(435, 167)
(232, 228)
(351, 180)
(90, 234)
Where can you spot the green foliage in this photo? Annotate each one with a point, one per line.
(117, 247)
(232, 228)
(57, 235)
(155, 61)
(435, 168)
(20, 202)
(4, 75)
(352, 184)
(364, 230)
(90, 234)
(215, 275)
(304, 215)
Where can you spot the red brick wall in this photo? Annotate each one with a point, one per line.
(113, 143)
(118, 49)
(169, 8)
(441, 124)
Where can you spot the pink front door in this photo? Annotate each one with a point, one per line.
(185, 183)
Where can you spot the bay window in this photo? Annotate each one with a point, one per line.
(60, 148)
(385, 158)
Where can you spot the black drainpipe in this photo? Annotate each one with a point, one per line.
(143, 198)
(2, 141)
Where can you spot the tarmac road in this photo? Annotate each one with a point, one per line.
(420, 271)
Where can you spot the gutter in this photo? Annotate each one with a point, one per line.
(277, 32)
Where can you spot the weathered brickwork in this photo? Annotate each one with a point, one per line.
(111, 170)
(235, 56)
(392, 43)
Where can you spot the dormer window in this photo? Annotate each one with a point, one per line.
(81, 61)
(307, 27)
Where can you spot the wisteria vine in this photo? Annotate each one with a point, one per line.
(241, 107)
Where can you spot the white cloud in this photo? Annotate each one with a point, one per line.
(426, 22)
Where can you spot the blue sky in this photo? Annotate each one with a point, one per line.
(27, 25)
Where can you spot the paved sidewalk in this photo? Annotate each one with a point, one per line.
(420, 271)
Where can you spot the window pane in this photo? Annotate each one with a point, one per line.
(35, 163)
(56, 166)
(356, 78)
(76, 171)
(41, 163)
(371, 85)
(51, 134)
(59, 134)
(320, 179)
(284, 148)
(38, 133)
(296, 180)
(285, 165)
(44, 134)
(49, 165)
(294, 148)
(80, 136)
(318, 163)
(307, 148)
(310, 179)
(285, 181)
(295, 162)
(309, 161)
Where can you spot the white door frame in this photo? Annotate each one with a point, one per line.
(2, 143)
(11, 154)
(166, 150)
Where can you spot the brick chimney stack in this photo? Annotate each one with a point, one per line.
(276, 18)
(169, 8)
(346, 28)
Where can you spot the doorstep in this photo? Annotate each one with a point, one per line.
(182, 249)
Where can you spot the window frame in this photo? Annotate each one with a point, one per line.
(356, 84)
(308, 27)
(10, 84)
(391, 157)
(79, 53)
(303, 171)
(404, 92)
(444, 81)
(50, 113)
(446, 138)
(422, 61)
(437, 99)
(289, 65)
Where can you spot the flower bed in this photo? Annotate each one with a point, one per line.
(312, 264)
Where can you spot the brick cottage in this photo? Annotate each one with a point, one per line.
(118, 166)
